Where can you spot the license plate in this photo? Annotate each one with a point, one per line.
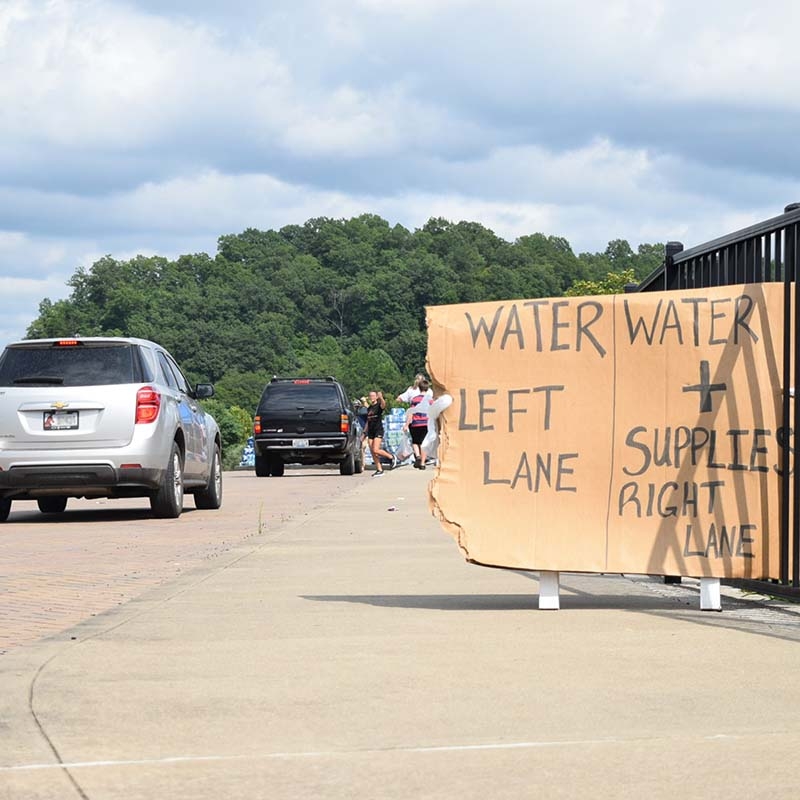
(299, 442)
(60, 420)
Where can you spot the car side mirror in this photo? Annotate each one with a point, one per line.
(204, 390)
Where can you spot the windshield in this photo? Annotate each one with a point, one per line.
(308, 396)
(80, 365)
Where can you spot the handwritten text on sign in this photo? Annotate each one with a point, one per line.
(627, 433)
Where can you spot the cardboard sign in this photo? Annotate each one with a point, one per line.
(623, 433)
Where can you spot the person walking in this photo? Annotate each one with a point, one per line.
(413, 390)
(374, 432)
(417, 422)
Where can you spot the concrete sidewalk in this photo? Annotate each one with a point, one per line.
(352, 653)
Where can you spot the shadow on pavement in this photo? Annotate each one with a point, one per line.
(503, 602)
(82, 516)
(737, 615)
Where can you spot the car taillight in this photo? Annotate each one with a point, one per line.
(148, 404)
(344, 423)
(257, 425)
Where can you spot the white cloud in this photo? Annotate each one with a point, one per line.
(22, 255)
(155, 126)
(85, 74)
(19, 302)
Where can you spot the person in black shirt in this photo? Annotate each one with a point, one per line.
(374, 432)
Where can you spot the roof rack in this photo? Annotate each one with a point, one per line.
(303, 379)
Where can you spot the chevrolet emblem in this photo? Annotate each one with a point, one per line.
(59, 404)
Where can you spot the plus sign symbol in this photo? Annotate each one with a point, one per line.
(705, 387)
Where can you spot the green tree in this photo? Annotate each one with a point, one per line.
(649, 257)
(364, 370)
(242, 389)
(230, 428)
(619, 254)
(322, 359)
(345, 297)
(614, 283)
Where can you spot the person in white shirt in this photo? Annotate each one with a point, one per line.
(409, 394)
(417, 422)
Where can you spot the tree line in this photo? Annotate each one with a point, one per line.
(329, 297)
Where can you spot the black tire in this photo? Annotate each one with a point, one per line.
(359, 459)
(348, 465)
(51, 505)
(262, 466)
(211, 496)
(276, 467)
(167, 502)
(5, 508)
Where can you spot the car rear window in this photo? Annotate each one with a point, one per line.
(78, 365)
(322, 396)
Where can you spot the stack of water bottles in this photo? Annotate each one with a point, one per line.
(395, 439)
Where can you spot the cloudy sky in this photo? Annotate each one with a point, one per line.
(155, 126)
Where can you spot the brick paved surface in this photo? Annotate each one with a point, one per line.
(352, 653)
(58, 570)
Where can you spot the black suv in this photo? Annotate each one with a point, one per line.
(306, 421)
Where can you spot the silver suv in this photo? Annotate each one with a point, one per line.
(103, 417)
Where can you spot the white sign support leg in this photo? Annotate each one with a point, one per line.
(548, 591)
(709, 595)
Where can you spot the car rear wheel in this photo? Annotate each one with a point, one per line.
(5, 508)
(211, 496)
(276, 467)
(262, 466)
(51, 505)
(348, 465)
(359, 459)
(167, 502)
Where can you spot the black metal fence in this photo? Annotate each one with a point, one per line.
(766, 252)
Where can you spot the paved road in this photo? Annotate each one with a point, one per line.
(350, 652)
(57, 570)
